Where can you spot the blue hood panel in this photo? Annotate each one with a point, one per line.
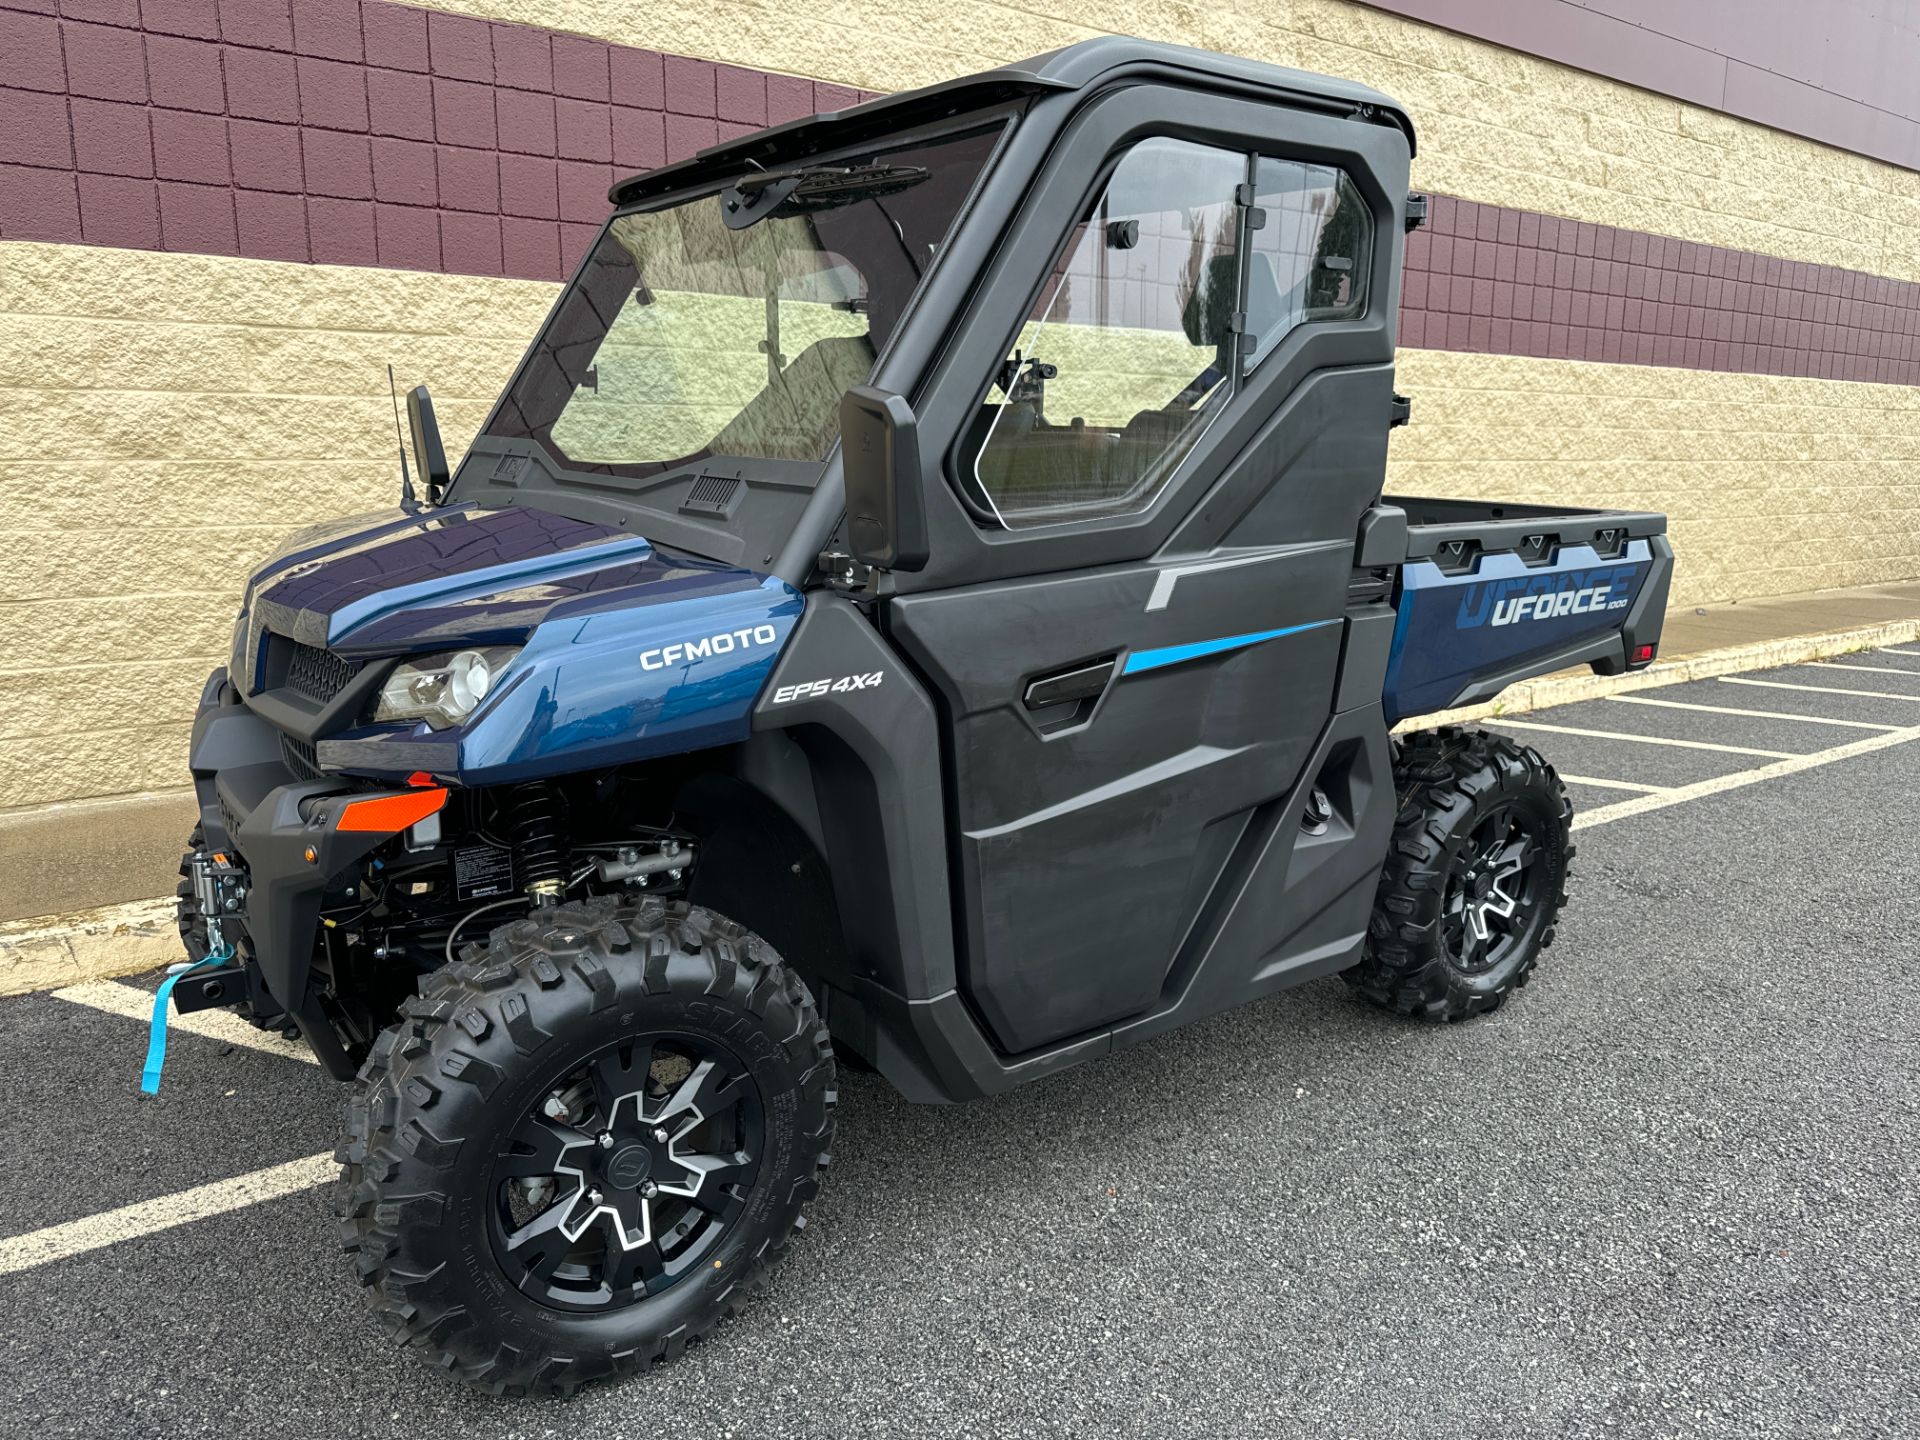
(629, 651)
(385, 584)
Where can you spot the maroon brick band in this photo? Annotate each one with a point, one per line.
(1841, 74)
(362, 132)
(1513, 282)
(350, 132)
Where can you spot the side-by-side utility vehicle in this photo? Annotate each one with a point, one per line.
(924, 601)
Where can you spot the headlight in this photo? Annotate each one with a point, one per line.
(443, 689)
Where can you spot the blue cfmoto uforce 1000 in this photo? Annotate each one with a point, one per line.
(925, 601)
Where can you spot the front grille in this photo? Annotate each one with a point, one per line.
(317, 674)
(299, 757)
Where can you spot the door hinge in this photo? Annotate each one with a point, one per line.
(842, 572)
(1401, 413)
(1244, 196)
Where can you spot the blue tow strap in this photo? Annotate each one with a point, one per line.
(157, 1034)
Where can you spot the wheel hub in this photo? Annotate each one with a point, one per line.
(617, 1184)
(629, 1166)
(1489, 899)
(629, 1177)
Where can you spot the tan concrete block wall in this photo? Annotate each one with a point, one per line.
(1773, 484)
(244, 399)
(165, 421)
(1495, 125)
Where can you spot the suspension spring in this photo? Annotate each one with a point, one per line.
(538, 841)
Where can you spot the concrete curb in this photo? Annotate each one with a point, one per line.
(54, 950)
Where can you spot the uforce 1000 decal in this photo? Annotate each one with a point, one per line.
(813, 689)
(1452, 628)
(1548, 596)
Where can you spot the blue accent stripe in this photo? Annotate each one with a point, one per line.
(1173, 654)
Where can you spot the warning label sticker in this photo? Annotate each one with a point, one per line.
(482, 870)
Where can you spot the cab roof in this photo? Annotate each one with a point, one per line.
(1077, 67)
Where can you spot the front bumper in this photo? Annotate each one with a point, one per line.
(284, 829)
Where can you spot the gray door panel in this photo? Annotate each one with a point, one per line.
(1086, 853)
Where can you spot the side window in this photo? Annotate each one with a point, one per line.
(1310, 259)
(1126, 355)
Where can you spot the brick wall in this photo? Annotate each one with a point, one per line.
(1496, 126)
(345, 132)
(1496, 280)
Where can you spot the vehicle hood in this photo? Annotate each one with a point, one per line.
(388, 583)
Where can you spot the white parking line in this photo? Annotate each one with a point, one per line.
(1680, 794)
(1869, 669)
(222, 1025)
(1756, 714)
(1642, 739)
(130, 1222)
(1597, 782)
(1818, 689)
(1889, 650)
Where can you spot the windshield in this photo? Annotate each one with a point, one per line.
(731, 325)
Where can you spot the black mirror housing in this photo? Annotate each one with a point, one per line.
(880, 458)
(429, 455)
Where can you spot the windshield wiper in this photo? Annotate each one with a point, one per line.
(785, 193)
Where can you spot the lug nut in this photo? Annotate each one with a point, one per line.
(660, 1135)
(649, 1189)
(606, 1140)
(593, 1196)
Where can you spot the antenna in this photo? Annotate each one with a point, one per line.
(409, 502)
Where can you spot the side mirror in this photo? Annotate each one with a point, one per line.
(880, 457)
(429, 456)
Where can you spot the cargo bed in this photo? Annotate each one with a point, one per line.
(1486, 594)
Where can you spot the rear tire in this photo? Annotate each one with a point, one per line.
(534, 1201)
(1475, 876)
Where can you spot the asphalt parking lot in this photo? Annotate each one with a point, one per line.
(1671, 1191)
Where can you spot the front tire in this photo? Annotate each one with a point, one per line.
(1475, 876)
(582, 1147)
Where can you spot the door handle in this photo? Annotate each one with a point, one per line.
(1082, 682)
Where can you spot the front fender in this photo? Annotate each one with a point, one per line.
(597, 690)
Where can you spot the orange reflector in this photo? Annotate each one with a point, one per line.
(389, 814)
(419, 777)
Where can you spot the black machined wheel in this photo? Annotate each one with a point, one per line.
(628, 1173)
(1493, 891)
(585, 1144)
(1474, 879)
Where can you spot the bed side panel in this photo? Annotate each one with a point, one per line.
(1503, 620)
